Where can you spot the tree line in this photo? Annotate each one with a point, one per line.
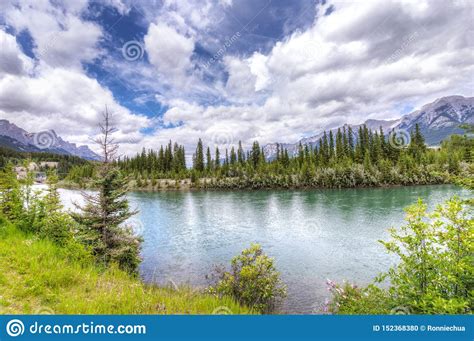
(342, 158)
(65, 162)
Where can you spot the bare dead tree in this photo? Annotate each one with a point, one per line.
(106, 141)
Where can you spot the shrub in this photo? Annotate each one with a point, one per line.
(435, 273)
(351, 299)
(253, 281)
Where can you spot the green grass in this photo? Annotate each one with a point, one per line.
(37, 276)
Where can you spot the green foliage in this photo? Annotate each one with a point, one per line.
(55, 224)
(338, 160)
(461, 145)
(253, 281)
(435, 274)
(350, 299)
(436, 271)
(65, 162)
(11, 203)
(102, 219)
(32, 212)
(41, 276)
(198, 158)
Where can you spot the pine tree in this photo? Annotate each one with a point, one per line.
(199, 157)
(383, 143)
(331, 145)
(417, 145)
(102, 217)
(55, 224)
(218, 158)
(233, 156)
(339, 145)
(350, 141)
(11, 203)
(255, 155)
(345, 143)
(209, 160)
(240, 154)
(325, 149)
(300, 154)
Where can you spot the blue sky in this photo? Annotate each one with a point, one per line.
(227, 70)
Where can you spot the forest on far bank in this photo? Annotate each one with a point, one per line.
(340, 160)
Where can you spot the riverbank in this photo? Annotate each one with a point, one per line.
(40, 277)
(326, 179)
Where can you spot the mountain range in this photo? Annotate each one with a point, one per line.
(16, 138)
(437, 120)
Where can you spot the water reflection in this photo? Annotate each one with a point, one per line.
(313, 235)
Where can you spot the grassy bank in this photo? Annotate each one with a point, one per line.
(38, 277)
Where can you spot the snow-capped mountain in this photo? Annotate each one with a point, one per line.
(441, 118)
(19, 139)
(436, 120)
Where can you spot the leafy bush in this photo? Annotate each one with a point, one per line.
(253, 281)
(436, 270)
(351, 299)
(435, 273)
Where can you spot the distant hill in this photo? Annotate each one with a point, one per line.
(437, 121)
(16, 138)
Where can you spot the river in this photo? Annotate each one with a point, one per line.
(313, 235)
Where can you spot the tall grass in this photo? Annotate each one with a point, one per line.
(37, 276)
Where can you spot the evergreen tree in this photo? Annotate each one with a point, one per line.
(11, 203)
(417, 145)
(278, 156)
(255, 155)
(209, 159)
(325, 149)
(102, 217)
(331, 145)
(240, 154)
(233, 156)
(345, 143)
(300, 155)
(218, 158)
(55, 225)
(350, 141)
(199, 157)
(339, 145)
